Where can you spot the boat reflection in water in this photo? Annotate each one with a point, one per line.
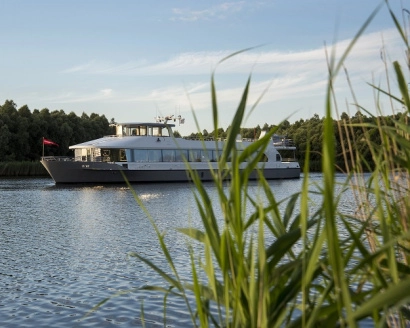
(149, 152)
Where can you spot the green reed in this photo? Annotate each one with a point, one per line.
(287, 268)
(24, 168)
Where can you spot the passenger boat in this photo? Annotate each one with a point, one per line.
(149, 152)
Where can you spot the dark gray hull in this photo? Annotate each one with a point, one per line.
(100, 172)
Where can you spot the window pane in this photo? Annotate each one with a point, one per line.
(181, 155)
(195, 156)
(206, 155)
(215, 155)
(140, 155)
(168, 155)
(154, 155)
(164, 132)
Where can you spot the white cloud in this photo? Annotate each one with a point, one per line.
(106, 92)
(104, 67)
(367, 50)
(220, 11)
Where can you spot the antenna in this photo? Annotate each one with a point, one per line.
(165, 119)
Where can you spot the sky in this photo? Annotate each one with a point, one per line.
(134, 60)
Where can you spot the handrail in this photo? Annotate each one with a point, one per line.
(58, 158)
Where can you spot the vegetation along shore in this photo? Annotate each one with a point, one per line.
(22, 169)
(22, 130)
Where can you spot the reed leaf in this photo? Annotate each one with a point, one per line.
(235, 126)
(393, 296)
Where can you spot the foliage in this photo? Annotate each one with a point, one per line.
(327, 268)
(309, 133)
(22, 169)
(21, 131)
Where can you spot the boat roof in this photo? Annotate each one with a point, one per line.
(140, 142)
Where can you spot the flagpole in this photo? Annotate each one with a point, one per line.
(43, 146)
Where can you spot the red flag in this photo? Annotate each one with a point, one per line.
(49, 142)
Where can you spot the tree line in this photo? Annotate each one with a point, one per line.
(21, 133)
(351, 137)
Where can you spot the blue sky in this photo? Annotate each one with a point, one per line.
(134, 60)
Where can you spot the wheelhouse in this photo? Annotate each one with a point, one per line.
(144, 129)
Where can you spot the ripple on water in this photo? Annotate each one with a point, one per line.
(64, 250)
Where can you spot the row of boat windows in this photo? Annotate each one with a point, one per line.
(143, 131)
(171, 155)
(152, 155)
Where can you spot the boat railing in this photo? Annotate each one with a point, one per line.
(284, 143)
(219, 139)
(58, 158)
(279, 148)
(198, 139)
(289, 159)
(89, 158)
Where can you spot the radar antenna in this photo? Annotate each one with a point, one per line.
(165, 119)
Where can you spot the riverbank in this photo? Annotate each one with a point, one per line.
(21, 169)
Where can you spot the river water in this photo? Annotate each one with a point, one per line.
(64, 250)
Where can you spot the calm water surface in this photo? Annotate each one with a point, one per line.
(64, 250)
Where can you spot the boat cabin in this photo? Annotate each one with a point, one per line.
(144, 129)
(128, 146)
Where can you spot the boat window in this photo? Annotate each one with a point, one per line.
(206, 155)
(77, 154)
(118, 130)
(143, 130)
(140, 155)
(195, 156)
(263, 158)
(154, 155)
(130, 155)
(106, 155)
(278, 159)
(157, 132)
(96, 154)
(84, 154)
(216, 154)
(181, 155)
(168, 155)
(164, 132)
